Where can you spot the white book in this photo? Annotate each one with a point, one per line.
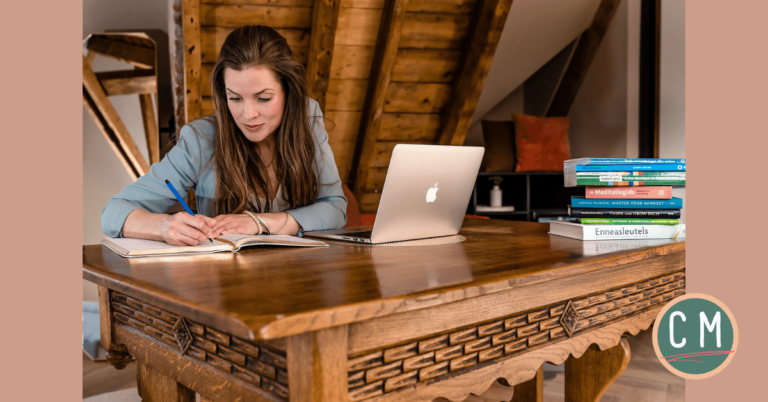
(616, 232)
(128, 247)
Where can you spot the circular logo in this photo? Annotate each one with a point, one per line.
(695, 336)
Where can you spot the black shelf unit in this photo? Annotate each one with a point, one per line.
(533, 194)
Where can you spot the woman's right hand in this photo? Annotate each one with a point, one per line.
(183, 229)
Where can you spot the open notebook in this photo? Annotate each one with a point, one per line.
(232, 242)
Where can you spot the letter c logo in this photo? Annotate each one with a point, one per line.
(672, 329)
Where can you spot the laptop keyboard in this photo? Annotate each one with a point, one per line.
(361, 235)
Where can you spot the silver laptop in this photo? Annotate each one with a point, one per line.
(425, 195)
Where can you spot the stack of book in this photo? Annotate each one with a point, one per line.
(625, 199)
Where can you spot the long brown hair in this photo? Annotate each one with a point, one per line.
(241, 173)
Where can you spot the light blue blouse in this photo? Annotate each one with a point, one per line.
(189, 165)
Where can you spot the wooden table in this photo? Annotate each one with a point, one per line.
(353, 322)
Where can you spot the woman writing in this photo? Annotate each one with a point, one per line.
(260, 165)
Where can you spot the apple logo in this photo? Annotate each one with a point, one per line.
(432, 193)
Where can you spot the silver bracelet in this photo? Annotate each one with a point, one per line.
(255, 219)
(269, 232)
(284, 224)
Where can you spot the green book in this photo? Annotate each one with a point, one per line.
(624, 178)
(628, 221)
(628, 181)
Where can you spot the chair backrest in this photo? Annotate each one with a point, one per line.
(353, 210)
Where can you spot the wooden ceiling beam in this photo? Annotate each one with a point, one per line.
(110, 124)
(582, 57)
(390, 30)
(128, 82)
(325, 17)
(139, 56)
(151, 129)
(485, 30)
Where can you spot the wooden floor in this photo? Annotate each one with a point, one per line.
(101, 377)
(644, 380)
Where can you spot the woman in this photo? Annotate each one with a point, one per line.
(261, 164)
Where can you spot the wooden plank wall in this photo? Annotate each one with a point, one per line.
(292, 18)
(425, 67)
(434, 34)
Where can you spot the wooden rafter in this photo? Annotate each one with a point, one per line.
(139, 56)
(325, 17)
(582, 57)
(488, 22)
(151, 129)
(110, 124)
(190, 11)
(128, 82)
(390, 30)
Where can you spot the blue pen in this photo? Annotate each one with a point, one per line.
(181, 200)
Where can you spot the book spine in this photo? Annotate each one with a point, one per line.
(660, 167)
(641, 193)
(625, 213)
(675, 203)
(628, 221)
(617, 161)
(610, 232)
(635, 173)
(623, 182)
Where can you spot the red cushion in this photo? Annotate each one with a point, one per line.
(541, 143)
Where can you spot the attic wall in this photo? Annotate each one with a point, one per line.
(425, 71)
(598, 116)
(601, 115)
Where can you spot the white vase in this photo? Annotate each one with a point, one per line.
(496, 196)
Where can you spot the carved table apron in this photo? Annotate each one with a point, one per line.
(446, 345)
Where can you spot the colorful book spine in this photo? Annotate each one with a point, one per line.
(628, 221)
(635, 173)
(659, 167)
(581, 202)
(645, 193)
(627, 182)
(624, 213)
(621, 161)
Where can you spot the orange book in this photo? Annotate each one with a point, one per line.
(627, 193)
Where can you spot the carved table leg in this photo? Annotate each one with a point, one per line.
(117, 355)
(531, 390)
(317, 365)
(155, 387)
(588, 377)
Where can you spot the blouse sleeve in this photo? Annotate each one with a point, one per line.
(330, 210)
(181, 166)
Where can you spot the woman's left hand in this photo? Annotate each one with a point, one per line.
(231, 224)
(278, 223)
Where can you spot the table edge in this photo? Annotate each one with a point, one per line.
(268, 327)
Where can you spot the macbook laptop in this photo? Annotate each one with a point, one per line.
(425, 194)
